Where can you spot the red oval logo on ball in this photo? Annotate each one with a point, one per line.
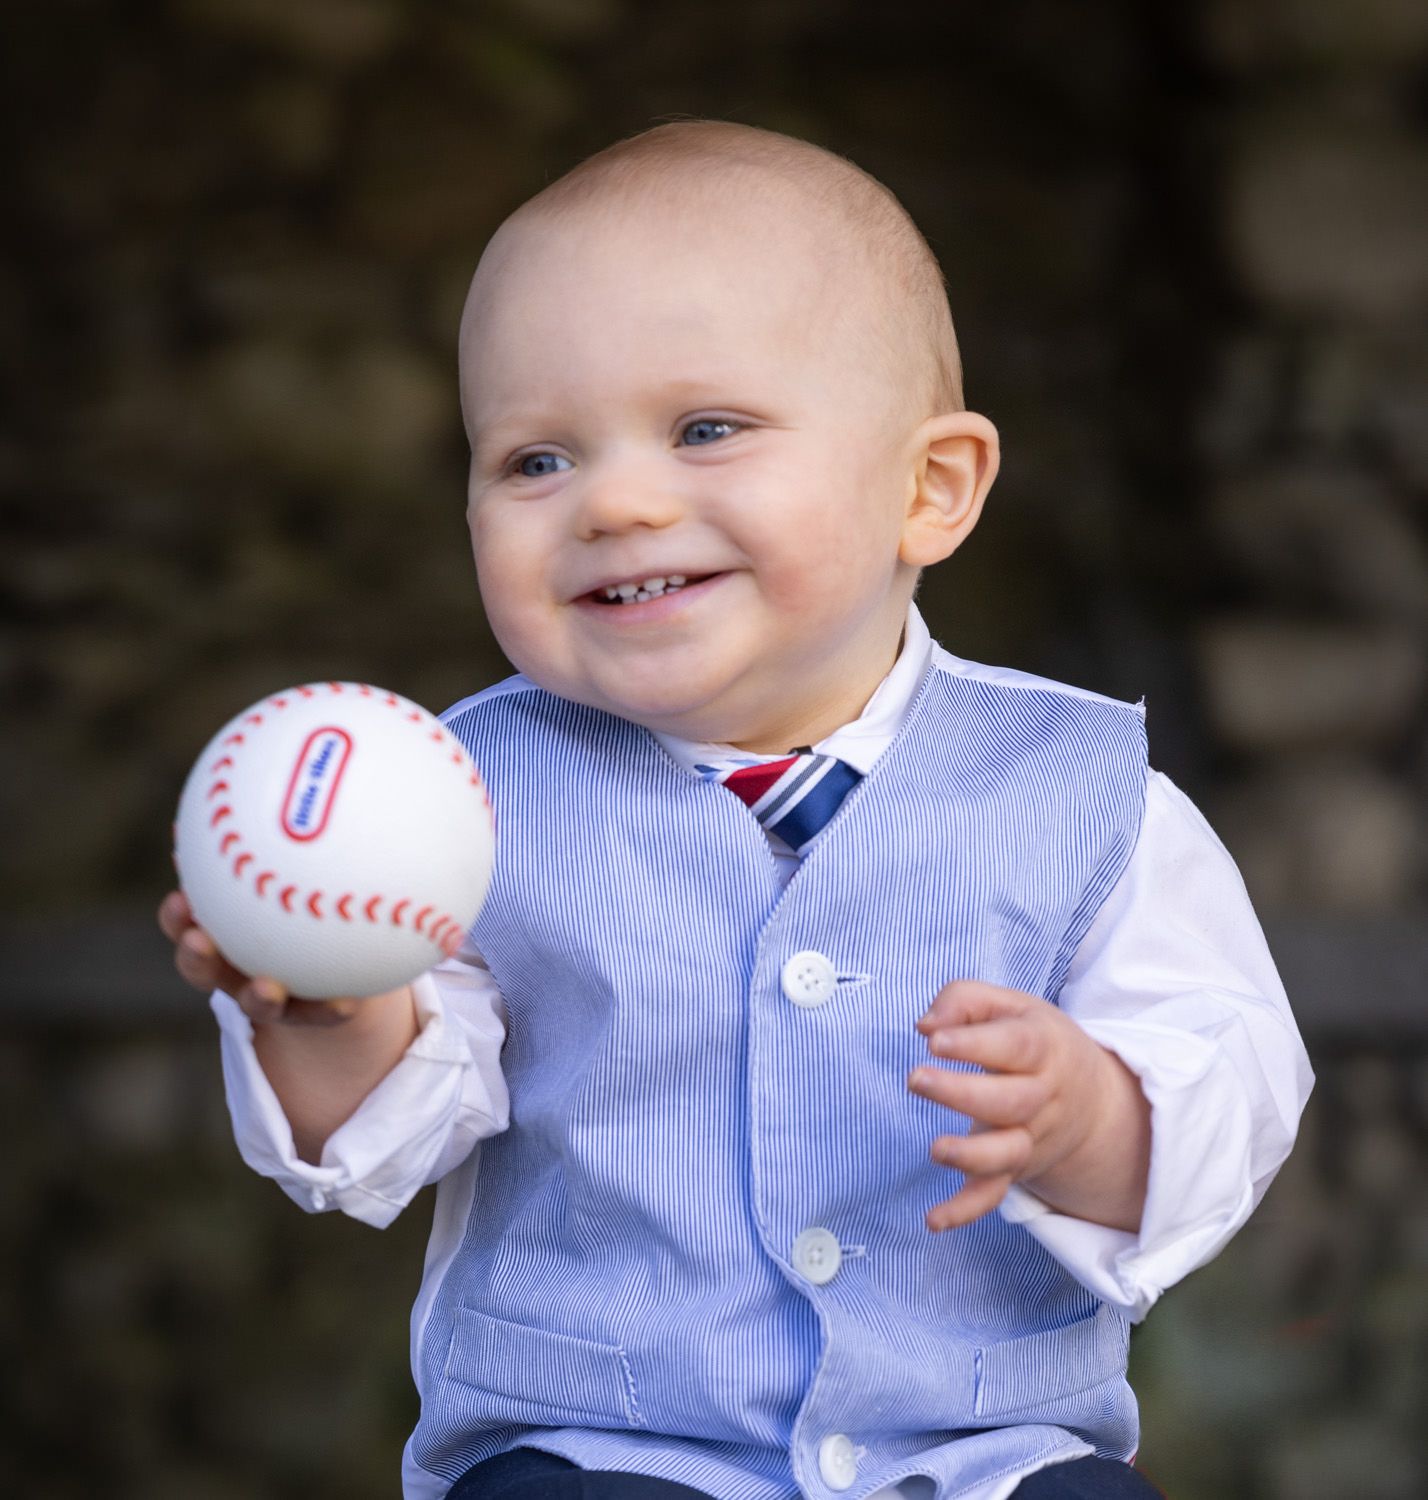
(312, 788)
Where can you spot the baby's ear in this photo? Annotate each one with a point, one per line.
(957, 455)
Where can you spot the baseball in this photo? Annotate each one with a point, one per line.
(336, 838)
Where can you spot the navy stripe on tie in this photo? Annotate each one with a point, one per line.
(807, 818)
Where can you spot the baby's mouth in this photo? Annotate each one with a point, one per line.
(638, 591)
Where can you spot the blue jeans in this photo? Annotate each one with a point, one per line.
(527, 1474)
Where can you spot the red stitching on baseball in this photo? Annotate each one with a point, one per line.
(286, 896)
(421, 917)
(218, 786)
(220, 765)
(243, 859)
(219, 813)
(307, 692)
(451, 942)
(314, 903)
(234, 739)
(278, 702)
(335, 686)
(371, 913)
(263, 881)
(343, 907)
(253, 719)
(228, 840)
(398, 909)
(365, 689)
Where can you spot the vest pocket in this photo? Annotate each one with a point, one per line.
(525, 1375)
(1041, 1368)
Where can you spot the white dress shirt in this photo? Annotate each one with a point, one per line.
(1173, 976)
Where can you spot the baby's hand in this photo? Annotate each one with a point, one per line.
(264, 1001)
(1052, 1109)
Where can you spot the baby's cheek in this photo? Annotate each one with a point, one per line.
(829, 581)
(518, 626)
(509, 604)
(503, 568)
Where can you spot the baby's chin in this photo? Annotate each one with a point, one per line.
(664, 712)
(690, 697)
(772, 732)
(667, 707)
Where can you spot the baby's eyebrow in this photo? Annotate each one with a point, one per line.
(698, 390)
(505, 432)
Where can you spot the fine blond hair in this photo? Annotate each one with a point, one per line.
(910, 318)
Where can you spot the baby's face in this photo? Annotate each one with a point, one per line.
(689, 475)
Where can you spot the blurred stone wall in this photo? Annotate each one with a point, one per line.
(1314, 433)
(1187, 249)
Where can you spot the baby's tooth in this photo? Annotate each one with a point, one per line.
(648, 588)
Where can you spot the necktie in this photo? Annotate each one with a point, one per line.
(795, 796)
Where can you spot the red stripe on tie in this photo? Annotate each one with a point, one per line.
(749, 783)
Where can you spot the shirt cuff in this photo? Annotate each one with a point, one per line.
(1199, 1190)
(424, 1116)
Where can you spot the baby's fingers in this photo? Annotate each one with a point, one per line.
(198, 960)
(967, 1001)
(979, 1196)
(986, 1153)
(320, 1012)
(264, 1001)
(1011, 1045)
(992, 1099)
(175, 915)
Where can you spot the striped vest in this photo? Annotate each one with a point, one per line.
(632, 1290)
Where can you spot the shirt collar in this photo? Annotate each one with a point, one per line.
(859, 743)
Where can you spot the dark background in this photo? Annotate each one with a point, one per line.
(1187, 252)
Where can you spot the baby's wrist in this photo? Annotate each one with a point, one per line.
(1103, 1174)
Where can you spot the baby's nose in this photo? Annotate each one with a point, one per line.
(619, 497)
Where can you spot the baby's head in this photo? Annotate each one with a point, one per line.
(714, 403)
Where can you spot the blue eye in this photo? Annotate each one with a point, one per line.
(707, 430)
(540, 465)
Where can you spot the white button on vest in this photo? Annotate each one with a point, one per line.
(837, 1461)
(817, 1255)
(809, 979)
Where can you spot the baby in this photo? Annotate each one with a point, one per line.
(806, 937)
